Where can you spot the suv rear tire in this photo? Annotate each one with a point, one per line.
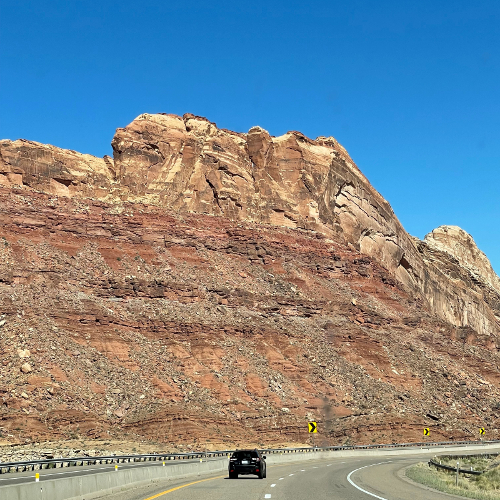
(233, 475)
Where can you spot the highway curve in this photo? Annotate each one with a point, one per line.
(358, 478)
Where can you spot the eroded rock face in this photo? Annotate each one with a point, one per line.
(141, 323)
(54, 170)
(188, 164)
(460, 245)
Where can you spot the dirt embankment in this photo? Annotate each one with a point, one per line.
(137, 323)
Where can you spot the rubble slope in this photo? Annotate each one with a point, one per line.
(189, 164)
(214, 288)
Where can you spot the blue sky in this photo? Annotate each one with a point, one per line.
(411, 89)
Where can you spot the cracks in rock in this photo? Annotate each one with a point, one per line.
(225, 169)
(65, 182)
(235, 201)
(307, 183)
(157, 150)
(108, 161)
(358, 205)
(3, 160)
(216, 194)
(341, 188)
(289, 217)
(217, 147)
(404, 263)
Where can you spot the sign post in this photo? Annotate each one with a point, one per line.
(313, 429)
(482, 432)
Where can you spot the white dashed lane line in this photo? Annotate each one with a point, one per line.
(267, 495)
(290, 474)
(273, 485)
(281, 478)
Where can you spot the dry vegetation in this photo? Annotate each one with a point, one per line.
(483, 487)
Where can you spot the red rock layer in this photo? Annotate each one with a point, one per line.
(187, 164)
(138, 322)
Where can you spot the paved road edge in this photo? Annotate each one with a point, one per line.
(96, 485)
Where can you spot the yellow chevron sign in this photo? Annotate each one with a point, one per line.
(426, 431)
(482, 431)
(313, 427)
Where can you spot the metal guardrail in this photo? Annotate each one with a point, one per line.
(49, 463)
(464, 471)
(454, 469)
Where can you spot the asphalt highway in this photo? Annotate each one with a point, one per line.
(358, 478)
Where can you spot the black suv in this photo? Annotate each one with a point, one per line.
(247, 462)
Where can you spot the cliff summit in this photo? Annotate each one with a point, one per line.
(189, 164)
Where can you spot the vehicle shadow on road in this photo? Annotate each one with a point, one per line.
(239, 478)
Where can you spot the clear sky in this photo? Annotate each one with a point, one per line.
(410, 88)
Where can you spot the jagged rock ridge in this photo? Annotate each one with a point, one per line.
(188, 164)
(460, 245)
(208, 285)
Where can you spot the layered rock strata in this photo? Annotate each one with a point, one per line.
(188, 164)
(139, 323)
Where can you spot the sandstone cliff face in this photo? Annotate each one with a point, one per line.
(461, 246)
(54, 170)
(188, 164)
(206, 284)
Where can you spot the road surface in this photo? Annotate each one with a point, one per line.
(360, 478)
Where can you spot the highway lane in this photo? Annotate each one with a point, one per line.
(375, 477)
(61, 472)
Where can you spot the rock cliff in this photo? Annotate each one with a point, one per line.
(462, 248)
(133, 322)
(208, 285)
(189, 165)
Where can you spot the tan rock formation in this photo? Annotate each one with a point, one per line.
(54, 170)
(188, 164)
(460, 245)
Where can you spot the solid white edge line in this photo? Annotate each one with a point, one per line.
(361, 489)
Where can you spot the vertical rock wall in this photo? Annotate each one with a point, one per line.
(188, 164)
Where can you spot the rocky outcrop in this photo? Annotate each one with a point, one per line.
(188, 164)
(461, 246)
(54, 170)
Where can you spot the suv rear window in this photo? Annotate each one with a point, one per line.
(245, 454)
